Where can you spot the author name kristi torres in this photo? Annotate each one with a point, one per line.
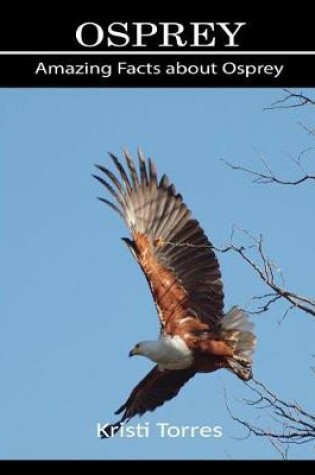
(161, 429)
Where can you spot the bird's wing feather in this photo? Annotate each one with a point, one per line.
(153, 391)
(170, 246)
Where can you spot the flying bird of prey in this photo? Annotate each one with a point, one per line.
(182, 271)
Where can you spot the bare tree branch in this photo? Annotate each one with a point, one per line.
(268, 176)
(292, 424)
(308, 130)
(291, 100)
(270, 274)
(279, 421)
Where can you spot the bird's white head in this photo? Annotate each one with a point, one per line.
(168, 352)
(145, 348)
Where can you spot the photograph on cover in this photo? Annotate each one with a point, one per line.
(232, 293)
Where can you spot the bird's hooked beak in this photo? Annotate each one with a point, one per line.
(134, 351)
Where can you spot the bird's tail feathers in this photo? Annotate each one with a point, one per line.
(237, 331)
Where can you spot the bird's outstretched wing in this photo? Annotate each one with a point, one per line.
(153, 391)
(170, 246)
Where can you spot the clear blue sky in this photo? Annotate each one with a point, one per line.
(73, 300)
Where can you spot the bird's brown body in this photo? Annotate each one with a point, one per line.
(209, 350)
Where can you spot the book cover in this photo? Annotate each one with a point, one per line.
(222, 107)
